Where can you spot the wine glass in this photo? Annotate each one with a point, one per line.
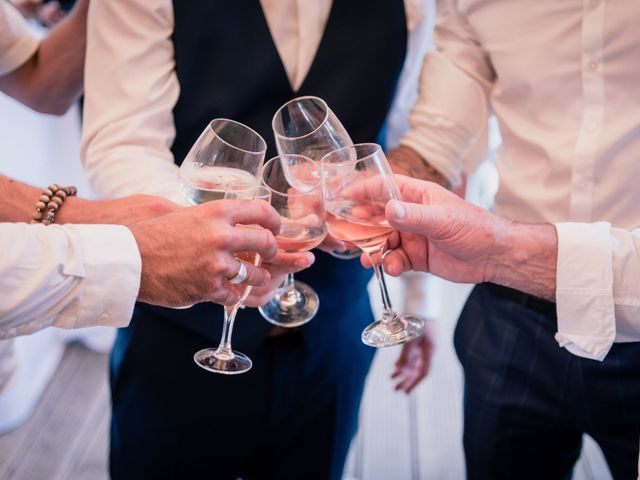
(226, 151)
(357, 184)
(307, 126)
(224, 359)
(296, 194)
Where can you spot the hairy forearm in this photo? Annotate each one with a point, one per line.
(526, 258)
(406, 161)
(52, 79)
(18, 200)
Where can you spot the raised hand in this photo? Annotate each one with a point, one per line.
(278, 267)
(187, 255)
(439, 232)
(414, 361)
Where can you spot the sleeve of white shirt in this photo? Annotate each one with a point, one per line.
(69, 276)
(449, 120)
(130, 91)
(597, 292)
(17, 44)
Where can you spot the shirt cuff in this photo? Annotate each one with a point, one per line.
(19, 53)
(111, 266)
(449, 169)
(584, 291)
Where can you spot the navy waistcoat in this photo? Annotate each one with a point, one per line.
(228, 66)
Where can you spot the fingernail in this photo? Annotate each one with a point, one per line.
(305, 262)
(398, 210)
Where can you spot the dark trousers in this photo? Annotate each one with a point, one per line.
(528, 401)
(291, 417)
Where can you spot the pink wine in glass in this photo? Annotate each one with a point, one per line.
(251, 258)
(363, 224)
(296, 237)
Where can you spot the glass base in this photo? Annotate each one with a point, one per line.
(401, 329)
(232, 363)
(292, 312)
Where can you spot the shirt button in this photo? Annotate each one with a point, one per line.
(592, 66)
(591, 127)
(103, 319)
(595, 3)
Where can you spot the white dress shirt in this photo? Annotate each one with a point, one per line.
(67, 276)
(131, 89)
(131, 85)
(562, 79)
(17, 44)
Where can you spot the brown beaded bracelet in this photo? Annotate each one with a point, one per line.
(50, 202)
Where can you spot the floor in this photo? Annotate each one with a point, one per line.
(401, 437)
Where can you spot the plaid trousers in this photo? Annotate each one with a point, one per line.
(528, 401)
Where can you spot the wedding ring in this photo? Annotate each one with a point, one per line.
(241, 275)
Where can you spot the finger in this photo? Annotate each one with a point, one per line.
(404, 354)
(365, 260)
(413, 381)
(403, 384)
(394, 241)
(411, 217)
(331, 244)
(255, 301)
(396, 262)
(224, 296)
(284, 262)
(256, 276)
(258, 240)
(409, 380)
(367, 188)
(421, 191)
(247, 212)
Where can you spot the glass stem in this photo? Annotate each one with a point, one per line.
(227, 330)
(387, 309)
(288, 295)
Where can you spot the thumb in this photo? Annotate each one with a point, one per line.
(413, 217)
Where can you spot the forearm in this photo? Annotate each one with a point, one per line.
(406, 161)
(52, 79)
(18, 200)
(525, 258)
(69, 277)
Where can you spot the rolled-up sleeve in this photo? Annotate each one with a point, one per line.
(130, 91)
(17, 44)
(68, 276)
(449, 120)
(598, 292)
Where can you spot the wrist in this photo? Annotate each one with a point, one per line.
(74, 211)
(524, 258)
(500, 254)
(406, 161)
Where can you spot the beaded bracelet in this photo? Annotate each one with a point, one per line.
(50, 202)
